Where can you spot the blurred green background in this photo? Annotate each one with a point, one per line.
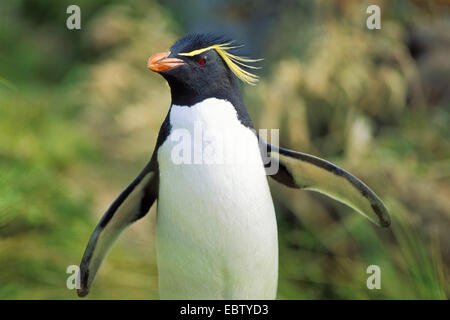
(80, 112)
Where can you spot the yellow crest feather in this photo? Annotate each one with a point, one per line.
(231, 60)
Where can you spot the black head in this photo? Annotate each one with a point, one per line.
(195, 74)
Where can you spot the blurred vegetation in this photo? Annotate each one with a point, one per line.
(79, 115)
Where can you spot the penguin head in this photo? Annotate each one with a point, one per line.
(200, 66)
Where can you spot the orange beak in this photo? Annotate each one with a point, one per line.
(159, 62)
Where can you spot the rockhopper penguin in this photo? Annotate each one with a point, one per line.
(216, 232)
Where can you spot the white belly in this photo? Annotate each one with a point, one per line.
(216, 228)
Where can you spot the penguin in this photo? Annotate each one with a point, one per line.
(216, 231)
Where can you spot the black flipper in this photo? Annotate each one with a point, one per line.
(307, 172)
(132, 204)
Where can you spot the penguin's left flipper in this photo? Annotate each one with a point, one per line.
(307, 172)
(132, 204)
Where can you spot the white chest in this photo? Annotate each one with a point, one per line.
(216, 227)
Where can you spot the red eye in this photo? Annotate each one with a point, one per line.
(201, 62)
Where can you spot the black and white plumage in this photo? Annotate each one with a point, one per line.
(216, 230)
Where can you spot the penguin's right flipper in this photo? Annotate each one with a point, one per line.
(132, 204)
